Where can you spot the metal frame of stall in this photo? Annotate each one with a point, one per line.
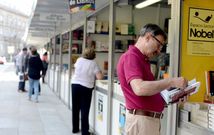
(111, 50)
(174, 44)
(73, 27)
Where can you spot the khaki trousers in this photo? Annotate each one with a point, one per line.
(141, 125)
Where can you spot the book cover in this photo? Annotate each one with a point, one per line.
(91, 27)
(122, 119)
(100, 108)
(98, 26)
(174, 94)
(210, 115)
(211, 121)
(184, 115)
(105, 28)
(118, 29)
(75, 35)
(211, 108)
(211, 127)
(200, 118)
(200, 123)
(124, 29)
(131, 29)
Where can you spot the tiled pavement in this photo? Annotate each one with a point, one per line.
(19, 116)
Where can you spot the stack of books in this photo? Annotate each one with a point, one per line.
(173, 95)
(196, 113)
(199, 115)
(184, 115)
(211, 116)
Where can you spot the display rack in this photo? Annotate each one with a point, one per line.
(77, 41)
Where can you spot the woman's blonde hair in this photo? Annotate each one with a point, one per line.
(89, 53)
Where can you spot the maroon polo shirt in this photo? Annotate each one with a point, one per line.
(134, 65)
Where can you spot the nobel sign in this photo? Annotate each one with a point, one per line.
(201, 26)
(200, 32)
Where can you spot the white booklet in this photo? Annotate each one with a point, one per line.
(173, 95)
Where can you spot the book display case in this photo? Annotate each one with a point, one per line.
(64, 85)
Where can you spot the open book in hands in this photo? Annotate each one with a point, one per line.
(173, 95)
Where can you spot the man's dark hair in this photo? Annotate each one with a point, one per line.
(153, 29)
(45, 53)
(33, 51)
(24, 49)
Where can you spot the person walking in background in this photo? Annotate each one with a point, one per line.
(35, 67)
(85, 73)
(142, 93)
(45, 65)
(15, 57)
(21, 64)
(38, 55)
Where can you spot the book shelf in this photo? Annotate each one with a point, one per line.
(65, 43)
(101, 44)
(77, 41)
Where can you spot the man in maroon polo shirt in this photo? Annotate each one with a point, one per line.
(142, 93)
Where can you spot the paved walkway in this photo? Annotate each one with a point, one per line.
(19, 116)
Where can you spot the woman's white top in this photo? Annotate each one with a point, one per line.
(85, 72)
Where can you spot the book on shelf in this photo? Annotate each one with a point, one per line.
(118, 29)
(211, 120)
(211, 115)
(184, 115)
(199, 118)
(98, 26)
(105, 27)
(211, 108)
(124, 29)
(211, 127)
(91, 26)
(173, 95)
(200, 123)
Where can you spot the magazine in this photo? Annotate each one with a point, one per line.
(173, 95)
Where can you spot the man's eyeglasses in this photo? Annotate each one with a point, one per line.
(160, 45)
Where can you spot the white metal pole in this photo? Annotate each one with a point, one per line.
(110, 63)
(174, 47)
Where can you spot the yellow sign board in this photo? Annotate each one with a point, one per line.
(200, 59)
(200, 39)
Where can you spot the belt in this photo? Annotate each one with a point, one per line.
(146, 113)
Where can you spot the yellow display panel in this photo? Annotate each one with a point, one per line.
(197, 53)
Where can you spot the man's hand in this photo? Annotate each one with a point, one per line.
(183, 99)
(179, 82)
